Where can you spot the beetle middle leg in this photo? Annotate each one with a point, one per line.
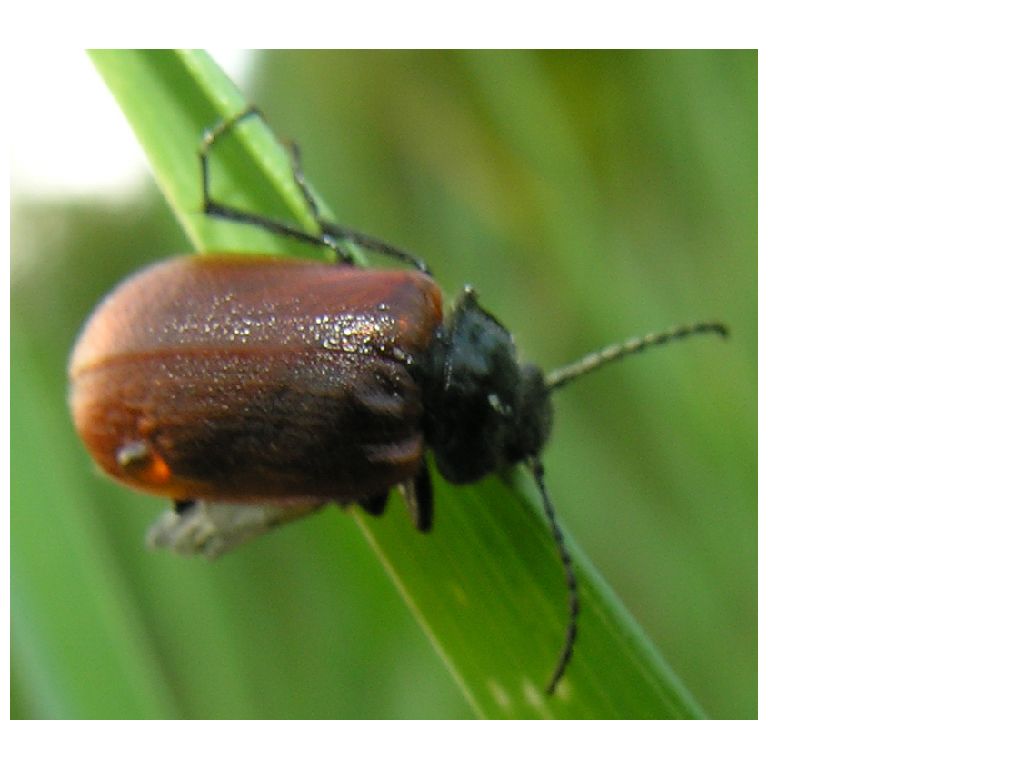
(418, 493)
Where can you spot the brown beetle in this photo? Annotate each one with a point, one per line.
(252, 389)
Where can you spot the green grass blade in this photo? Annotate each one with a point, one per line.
(486, 584)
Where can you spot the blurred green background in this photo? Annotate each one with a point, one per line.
(588, 197)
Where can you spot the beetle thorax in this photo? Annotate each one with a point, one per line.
(483, 409)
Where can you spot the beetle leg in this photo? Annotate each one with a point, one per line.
(329, 238)
(335, 232)
(419, 498)
(375, 504)
(424, 499)
(213, 207)
(197, 527)
(331, 235)
(336, 236)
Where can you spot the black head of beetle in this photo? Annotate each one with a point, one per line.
(483, 409)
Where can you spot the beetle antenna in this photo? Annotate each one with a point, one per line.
(570, 577)
(562, 376)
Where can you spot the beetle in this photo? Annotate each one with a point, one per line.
(253, 389)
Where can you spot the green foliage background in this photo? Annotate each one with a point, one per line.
(588, 197)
